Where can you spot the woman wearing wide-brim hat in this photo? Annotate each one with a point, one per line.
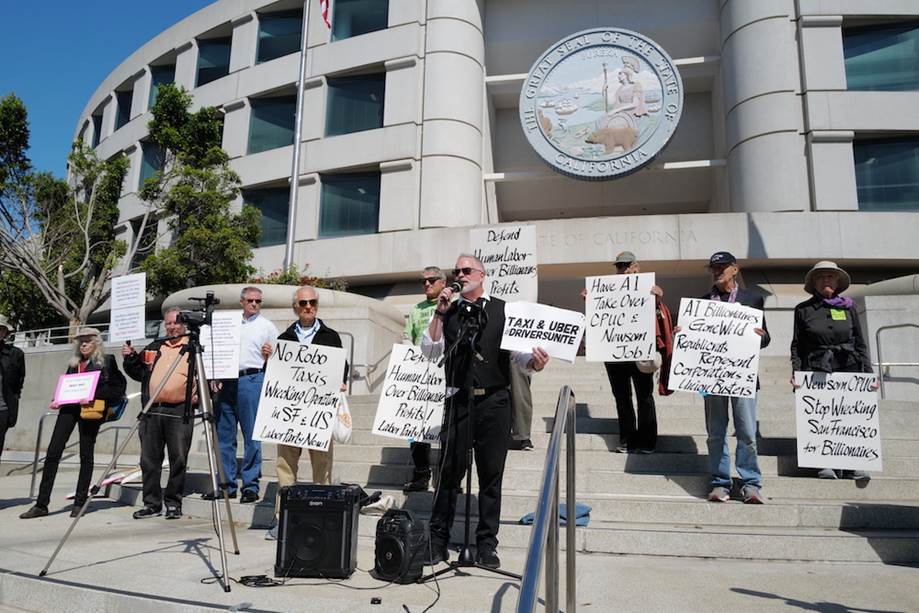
(827, 335)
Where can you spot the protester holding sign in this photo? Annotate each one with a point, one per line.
(88, 355)
(827, 334)
(307, 330)
(725, 288)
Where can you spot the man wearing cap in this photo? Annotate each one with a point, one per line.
(12, 376)
(725, 288)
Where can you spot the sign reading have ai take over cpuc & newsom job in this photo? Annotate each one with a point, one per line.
(601, 103)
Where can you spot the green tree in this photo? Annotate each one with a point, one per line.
(194, 192)
(57, 236)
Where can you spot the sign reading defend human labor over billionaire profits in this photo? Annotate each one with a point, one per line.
(620, 318)
(528, 325)
(299, 400)
(717, 351)
(509, 256)
(411, 406)
(837, 420)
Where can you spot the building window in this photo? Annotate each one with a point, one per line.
(278, 35)
(274, 205)
(97, 128)
(355, 104)
(355, 17)
(350, 204)
(152, 159)
(146, 242)
(887, 174)
(160, 75)
(123, 112)
(271, 123)
(882, 58)
(213, 59)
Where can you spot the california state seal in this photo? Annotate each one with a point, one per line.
(601, 103)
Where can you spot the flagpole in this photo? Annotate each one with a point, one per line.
(298, 131)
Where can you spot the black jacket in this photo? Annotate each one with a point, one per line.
(823, 344)
(112, 384)
(325, 336)
(13, 364)
(748, 298)
(493, 370)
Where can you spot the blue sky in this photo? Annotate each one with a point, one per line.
(54, 55)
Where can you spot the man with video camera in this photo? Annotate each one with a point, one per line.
(491, 411)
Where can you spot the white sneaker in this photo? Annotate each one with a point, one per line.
(272, 534)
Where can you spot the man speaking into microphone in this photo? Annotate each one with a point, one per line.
(491, 413)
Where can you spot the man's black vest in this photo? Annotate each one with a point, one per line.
(494, 370)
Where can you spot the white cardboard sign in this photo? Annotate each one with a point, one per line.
(411, 406)
(509, 255)
(620, 318)
(299, 400)
(220, 344)
(528, 325)
(837, 421)
(716, 352)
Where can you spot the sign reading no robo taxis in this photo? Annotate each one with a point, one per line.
(601, 103)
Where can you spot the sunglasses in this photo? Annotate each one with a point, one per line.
(622, 265)
(255, 300)
(466, 270)
(313, 302)
(430, 280)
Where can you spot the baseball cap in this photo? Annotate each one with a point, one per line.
(625, 257)
(721, 258)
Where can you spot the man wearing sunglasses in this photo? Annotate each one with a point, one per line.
(307, 330)
(433, 280)
(237, 401)
(491, 408)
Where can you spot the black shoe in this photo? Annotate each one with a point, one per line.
(487, 557)
(438, 553)
(147, 511)
(526, 444)
(173, 512)
(419, 482)
(248, 497)
(219, 496)
(75, 510)
(36, 511)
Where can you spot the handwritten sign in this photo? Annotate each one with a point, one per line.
(300, 393)
(528, 325)
(837, 421)
(717, 351)
(620, 318)
(220, 342)
(509, 256)
(411, 406)
(127, 314)
(76, 388)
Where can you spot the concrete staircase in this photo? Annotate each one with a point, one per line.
(654, 504)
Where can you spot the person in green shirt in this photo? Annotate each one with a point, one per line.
(433, 279)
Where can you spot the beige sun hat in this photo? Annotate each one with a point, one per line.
(86, 331)
(842, 275)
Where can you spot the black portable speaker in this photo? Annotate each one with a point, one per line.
(317, 531)
(400, 547)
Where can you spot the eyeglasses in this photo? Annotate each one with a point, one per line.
(622, 265)
(466, 270)
(254, 300)
(313, 302)
(430, 280)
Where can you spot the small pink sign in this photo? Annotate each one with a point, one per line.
(76, 388)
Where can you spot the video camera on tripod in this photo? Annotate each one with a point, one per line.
(201, 316)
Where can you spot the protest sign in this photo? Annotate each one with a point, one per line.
(220, 345)
(717, 351)
(300, 394)
(509, 256)
(411, 406)
(528, 325)
(128, 310)
(76, 388)
(620, 318)
(837, 421)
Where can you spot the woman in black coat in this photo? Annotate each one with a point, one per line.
(827, 335)
(88, 355)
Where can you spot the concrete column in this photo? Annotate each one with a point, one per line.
(134, 156)
(242, 49)
(141, 90)
(451, 152)
(832, 170)
(307, 209)
(236, 127)
(767, 167)
(186, 65)
(398, 195)
(314, 101)
(108, 117)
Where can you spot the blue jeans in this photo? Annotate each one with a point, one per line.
(237, 403)
(719, 454)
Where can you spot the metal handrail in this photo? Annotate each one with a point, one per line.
(545, 525)
(877, 342)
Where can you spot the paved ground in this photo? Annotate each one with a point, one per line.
(114, 563)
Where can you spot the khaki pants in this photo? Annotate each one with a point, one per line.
(288, 461)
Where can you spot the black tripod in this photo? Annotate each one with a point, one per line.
(474, 318)
(197, 377)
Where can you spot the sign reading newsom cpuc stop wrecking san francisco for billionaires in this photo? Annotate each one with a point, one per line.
(601, 103)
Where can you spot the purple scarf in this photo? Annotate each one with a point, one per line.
(839, 302)
(716, 294)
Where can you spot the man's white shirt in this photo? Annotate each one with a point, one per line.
(256, 331)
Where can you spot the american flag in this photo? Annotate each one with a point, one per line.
(324, 9)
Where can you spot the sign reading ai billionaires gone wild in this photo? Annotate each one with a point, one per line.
(601, 103)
